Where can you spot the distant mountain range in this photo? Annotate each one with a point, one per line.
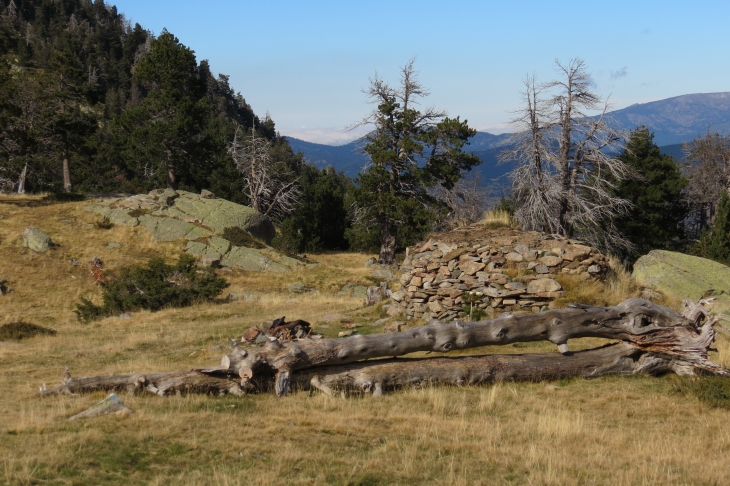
(673, 121)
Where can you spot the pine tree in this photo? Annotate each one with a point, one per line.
(410, 151)
(654, 220)
(716, 244)
(165, 131)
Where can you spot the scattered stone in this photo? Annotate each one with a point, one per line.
(550, 261)
(345, 333)
(113, 244)
(543, 285)
(594, 269)
(371, 261)
(206, 194)
(396, 309)
(395, 326)
(251, 334)
(542, 269)
(398, 296)
(126, 315)
(514, 257)
(36, 240)
(380, 322)
(383, 274)
(470, 268)
(111, 404)
(236, 296)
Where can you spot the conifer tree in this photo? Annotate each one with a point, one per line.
(716, 244)
(655, 193)
(410, 151)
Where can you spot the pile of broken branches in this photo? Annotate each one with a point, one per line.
(652, 339)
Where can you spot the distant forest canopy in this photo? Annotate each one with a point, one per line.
(93, 103)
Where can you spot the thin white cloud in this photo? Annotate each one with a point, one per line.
(326, 136)
(619, 73)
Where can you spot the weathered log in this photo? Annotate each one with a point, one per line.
(656, 340)
(380, 375)
(649, 326)
(210, 380)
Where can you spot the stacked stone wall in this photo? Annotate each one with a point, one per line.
(498, 274)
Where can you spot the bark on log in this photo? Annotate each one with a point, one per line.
(649, 326)
(377, 376)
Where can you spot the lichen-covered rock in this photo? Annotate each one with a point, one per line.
(169, 229)
(218, 214)
(252, 260)
(683, 276)
(36, 240)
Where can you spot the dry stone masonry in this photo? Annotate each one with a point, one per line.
(507, 271)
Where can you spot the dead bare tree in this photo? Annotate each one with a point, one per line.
(270, 188)
(467, 201)
(707, 167)
(566, 160)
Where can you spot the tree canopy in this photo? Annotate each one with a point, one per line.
(657, 204)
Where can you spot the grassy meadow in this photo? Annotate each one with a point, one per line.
(617, 430)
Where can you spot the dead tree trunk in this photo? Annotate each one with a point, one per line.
(649, 326)
(378, 376)
(655, 340)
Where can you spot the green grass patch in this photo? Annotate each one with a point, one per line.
(712, 390)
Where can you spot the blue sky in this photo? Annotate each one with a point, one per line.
(307, 61)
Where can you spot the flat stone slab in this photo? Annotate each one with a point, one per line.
(111, 404)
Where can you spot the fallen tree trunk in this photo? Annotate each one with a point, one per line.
(647, 325)
(656, 340)
(380, 375)
(210, 380)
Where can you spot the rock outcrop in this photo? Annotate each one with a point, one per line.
(683, 276)
(201, 219)
(498, 271)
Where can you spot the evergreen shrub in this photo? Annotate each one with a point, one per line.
(153, 287)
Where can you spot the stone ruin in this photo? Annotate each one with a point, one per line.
(502, 271)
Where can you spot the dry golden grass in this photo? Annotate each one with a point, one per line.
(498, 218)
(617, 431)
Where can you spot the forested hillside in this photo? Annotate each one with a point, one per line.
(92, 103)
